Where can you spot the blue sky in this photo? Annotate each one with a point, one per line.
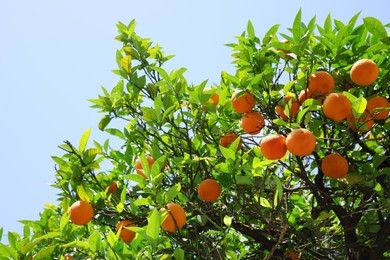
(54, 55)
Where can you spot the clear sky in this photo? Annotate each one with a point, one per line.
(54, 55)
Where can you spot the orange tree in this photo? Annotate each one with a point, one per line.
(165, 140)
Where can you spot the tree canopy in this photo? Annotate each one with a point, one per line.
(287, 158)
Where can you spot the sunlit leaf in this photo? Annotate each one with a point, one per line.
(265, 203)
(153, 227)
(84, 140)
(375, 27)
(227, 220)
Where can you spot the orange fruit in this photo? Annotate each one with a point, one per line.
(113, 187)
(280, 111)
(273, 147)
(364, 124)
(378, 102)
(300, 142)
(228, 138)
(292, 108)
(81, 212)
(293, 255)
(303, 95)
(126, 235)
(175, 218)
(68, 257)
(321, 83)
(252, 122)
(364, 72)
(139, 168)
(209, 190)
(337, 107)
(243, 101)
(214, 97)
(334, 166)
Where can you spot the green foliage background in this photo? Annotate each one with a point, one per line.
(267, 209)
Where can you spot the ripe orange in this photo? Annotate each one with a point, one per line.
(364, 124)
(81, 212)
(303, 95)
(293, 255)
(364, 72)
(337, 107)
(126, 235)
(139, 168)
(280, 111)
(209, 190)
(334, 166)
(378, 102)
(228, 139)
(285, 105)
(301, 142)
(321, 83)
(273, 147)
(175, 218)
(252, 122)
(67, 257)
(214, 97)
(113, 187)
(243, 101)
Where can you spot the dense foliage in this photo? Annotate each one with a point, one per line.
(268, 209)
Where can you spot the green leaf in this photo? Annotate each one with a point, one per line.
(271, 32)
(162, 72)
(59, 161)
(93, 151)
(250, 30)
(243, 180)
(379, 189)
(115, 132)
(64, 221)
(176, 74)
(111, 238)
(84, 140)
(45, 253)
(227, 220)
(296, 30)
(265, 203)
(12, 237)
(77, 244)
(94, 241)
(328, 24)
(8, 252)
(173, 191)
(375, 27)
(178, 254)
(126, 63)
(82, 193)
(378, 159)
(104, 122)
(359, 106)
(119, 207)
(153, 227)
(378, 47)
(38, 240)
(118, 57)
(230, 254)
(278, 191)
(227, 153)
(149, 114)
